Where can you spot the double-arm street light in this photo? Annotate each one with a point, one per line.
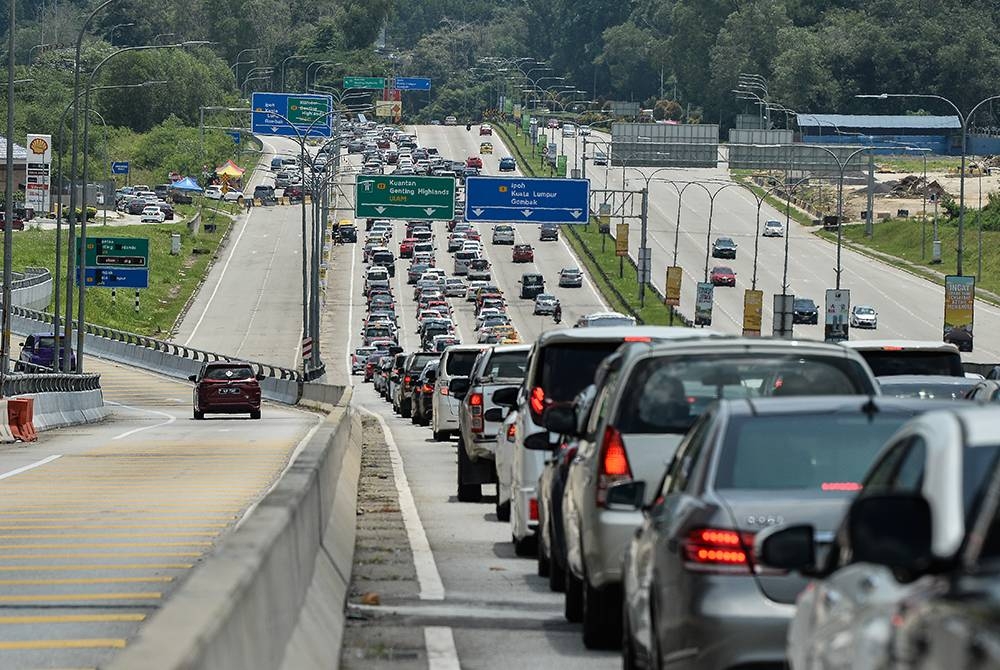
(111, 34)
(285, 62)
(964, 120)
(235, 67)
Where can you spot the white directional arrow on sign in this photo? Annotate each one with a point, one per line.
(526, 212)
(274, 129)
(380, 209)
(576, 213)
(429, 210)
(478, 212)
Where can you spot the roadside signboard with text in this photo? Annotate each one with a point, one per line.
(621, 239)
(753, 308)
(838, 315)
(38, 179)
(115, 262)
(404, 197)
(673, 292)
(703, 304)
(364, 82)
(526, 200)
(292, 114)
(410, 84)
(959, 310)
(119, 167)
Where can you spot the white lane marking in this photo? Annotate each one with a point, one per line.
(30, 466)
(431, 587)
(170, 419)
(440, 645)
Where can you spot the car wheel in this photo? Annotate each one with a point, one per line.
(199, 415)
(526, 547)
(573, 605)
(503, 511)
(629, 659)
(440, 436)
(544, 562)
(255, 414)
(602, 610)
(405, 409)
(466, 492)
(557, 575)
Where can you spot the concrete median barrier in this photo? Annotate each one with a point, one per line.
(273, 593)
(55, 410)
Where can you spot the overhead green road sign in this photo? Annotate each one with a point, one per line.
(307, 110)
(364, 82)
(404, 197)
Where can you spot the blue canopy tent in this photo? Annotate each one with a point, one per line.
(187, 184)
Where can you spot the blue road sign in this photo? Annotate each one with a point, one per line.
(117, 277)
(235, 134)
(300, 109)
(524, 200)
(119, 167)
(413, 84)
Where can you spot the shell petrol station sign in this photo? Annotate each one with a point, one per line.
(38, 173)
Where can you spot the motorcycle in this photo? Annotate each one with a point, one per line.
(468, 126)
(557, 314)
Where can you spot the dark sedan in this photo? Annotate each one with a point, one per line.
(724, 247)
(804, 310)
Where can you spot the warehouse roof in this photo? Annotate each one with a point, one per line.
(20, 153)
(878, 121)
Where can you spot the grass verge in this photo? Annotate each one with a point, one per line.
(596, 254)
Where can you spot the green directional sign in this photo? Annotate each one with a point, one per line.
(404, 197)
(561, 165)
(117, 251)
(307, 110)
(364, 82)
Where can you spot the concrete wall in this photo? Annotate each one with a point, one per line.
(55, 410)
(273, 593)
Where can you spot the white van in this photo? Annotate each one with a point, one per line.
(462, 259)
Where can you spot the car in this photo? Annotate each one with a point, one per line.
(600, 158)
(406, 247)
(864, 316)
(450, 120)
(479, 269)
(440, 343)
(213, 192)
(454, 287)
(485, 129)
(722, 275)
(545, 304)
(722, 496)
(232, 195)
(462, 259)
(548, 232)
(804, 310)
(960, 336)
(568, 130)
(38, 353)
(604, 319)
(774, 228)
(360, 358)
(909, 357)
(532, 284)
(423, 394)
(508, 164)
(456, 361)
(410, 368)
(503, 234)
(552, 123)
(226, 387)
(474, 162)
(920, 516)
(570, 278)
(265, 194)
(485, 148)
(523, 253)
(348, 232)
(152, 214)
(724, 247)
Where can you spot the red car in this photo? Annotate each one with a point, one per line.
(406, 247)
(486, 129)
(474, 162)
(722, 276)
(472, 234)
(226, 387)
(523, 253)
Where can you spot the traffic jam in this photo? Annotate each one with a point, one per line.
(699, 500)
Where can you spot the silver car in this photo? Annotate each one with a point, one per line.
(545, 304)
(570, 278)
(455, 362)
(649, 404)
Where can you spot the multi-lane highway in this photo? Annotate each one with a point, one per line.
(909, 307)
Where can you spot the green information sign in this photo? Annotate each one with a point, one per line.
(120, 251)
(364, 82)
(525, 122)
(561, 166)
(404, 197)
(307, 110)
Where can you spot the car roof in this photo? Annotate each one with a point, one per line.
(612, 333)
(850, 404)
(899, 345)
(763, 345)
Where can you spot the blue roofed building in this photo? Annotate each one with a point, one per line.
(941, 134)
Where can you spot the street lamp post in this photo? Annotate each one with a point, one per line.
(283, 63)
(8, 249)
(235, 67)
(40, 47)
(111, 35)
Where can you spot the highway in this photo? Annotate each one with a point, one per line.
(909, 307)
(498, 612)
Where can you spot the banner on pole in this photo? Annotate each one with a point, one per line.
(959, 310)
(753, 308)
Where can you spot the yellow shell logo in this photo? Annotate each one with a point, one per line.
(39, 146)
(381, 186)
(503, 189)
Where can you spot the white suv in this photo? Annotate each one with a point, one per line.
(455, 362)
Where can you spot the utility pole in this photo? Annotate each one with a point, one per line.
(644, 254)
(869, 220)
(8, 213)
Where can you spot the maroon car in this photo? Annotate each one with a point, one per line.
(226, 387)
(723, 276)
(523, 253)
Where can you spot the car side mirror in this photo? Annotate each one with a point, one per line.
(893, 530)
(560, 419)
(495, 414)
(626, 496)
(506, 396)
(459, 387)
(193, 378)
(787, 547)
(539, 442)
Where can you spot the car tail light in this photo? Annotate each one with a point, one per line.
(444, 390)
(511, 432)
(533, 509)
(428, 388)
(406, 380)
(718, 550)
(614, 463)
(476, 409)
(537, 402)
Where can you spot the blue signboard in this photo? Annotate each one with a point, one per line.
(235, 134)
(117, 277)
(292, 114)
(413, 84)
(119, 167)
(523, 200)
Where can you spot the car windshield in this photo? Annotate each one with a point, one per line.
(532, 280)
(666, 394)
(864, 311)
(816, 452)
(564, 369)
(804, 304)
(419, 361)
(228, 373)
(507, 365)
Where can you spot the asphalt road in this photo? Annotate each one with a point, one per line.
(497, 611)
(909, 307)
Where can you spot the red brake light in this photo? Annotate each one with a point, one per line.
(476, 399)
(892, 348)
(537, 402)
(713, 549)
(614, 463)
(406, 379)
(533, 509)
(840, 486)
(511, 432)
(428, 388)
(444, 390)
(638, 338)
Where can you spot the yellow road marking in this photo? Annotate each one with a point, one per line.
(52, 597)
(96, 643)
(83, 580)
(96, 566)
(103, 554)
(72, 618)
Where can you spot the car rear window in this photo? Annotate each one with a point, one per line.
(226, 373)
(382, 257)
(667, 394)
(459, 363)
(816, 452)
(565, 369)
(420, 360)
(507, 365)
(928, 389)
(911, 362)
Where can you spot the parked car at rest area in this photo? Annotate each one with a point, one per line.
(226, 387)
(152, 214)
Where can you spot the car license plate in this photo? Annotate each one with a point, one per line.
(229, 390)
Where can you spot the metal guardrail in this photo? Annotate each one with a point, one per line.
(29, 383)
(170, 348)
(30, 277)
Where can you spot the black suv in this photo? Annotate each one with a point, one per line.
(531, 285)
(724, 247)
(549, 232)
(805, 311)
(386, 259)
(348, 233)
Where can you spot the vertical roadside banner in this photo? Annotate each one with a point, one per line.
(561, 166)
(38, 179)
(838, 315)
(753, 309)
(703, 304)
(959, 310)
(784, 315)
(621, 239)
(525, 122)
(673, 292)
(517, 113)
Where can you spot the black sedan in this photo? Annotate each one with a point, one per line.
(724, 247)
(804, 310)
